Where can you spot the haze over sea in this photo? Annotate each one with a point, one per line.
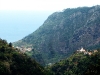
(14, 25)
(18, 18)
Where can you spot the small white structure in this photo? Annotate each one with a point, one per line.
(81, 50)
(28, 49)
(95, 51)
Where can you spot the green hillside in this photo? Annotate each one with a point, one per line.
(63, 33)
(78, 64)
(13, 62)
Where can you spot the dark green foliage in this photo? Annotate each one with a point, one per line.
(13, 62)
(10, 44)
(64, 32)
(78, 64)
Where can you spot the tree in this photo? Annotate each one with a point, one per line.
(10, 44)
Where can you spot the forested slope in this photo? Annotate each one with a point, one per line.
(13, 62)
(63, 33)
(78, 64)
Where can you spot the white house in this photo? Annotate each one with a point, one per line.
(81, 50)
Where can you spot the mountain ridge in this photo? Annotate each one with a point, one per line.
(64, 32)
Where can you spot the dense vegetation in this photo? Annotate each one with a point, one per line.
(13, 62)
(78, 64)
(63, 33)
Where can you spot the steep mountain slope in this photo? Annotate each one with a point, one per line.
(13, 62)
(64, 32)
(78, 64)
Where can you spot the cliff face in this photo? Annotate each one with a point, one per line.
(64, 32)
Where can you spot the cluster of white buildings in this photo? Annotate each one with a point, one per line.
(82, 50)
(23, 49)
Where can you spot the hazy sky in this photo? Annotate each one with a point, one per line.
(47, 5)
(18, 18)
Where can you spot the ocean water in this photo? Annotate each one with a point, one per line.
(15, 25)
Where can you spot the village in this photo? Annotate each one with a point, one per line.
(86, 52)
(82, 50)
(24, 49)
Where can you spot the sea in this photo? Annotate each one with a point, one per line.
(15, 25)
